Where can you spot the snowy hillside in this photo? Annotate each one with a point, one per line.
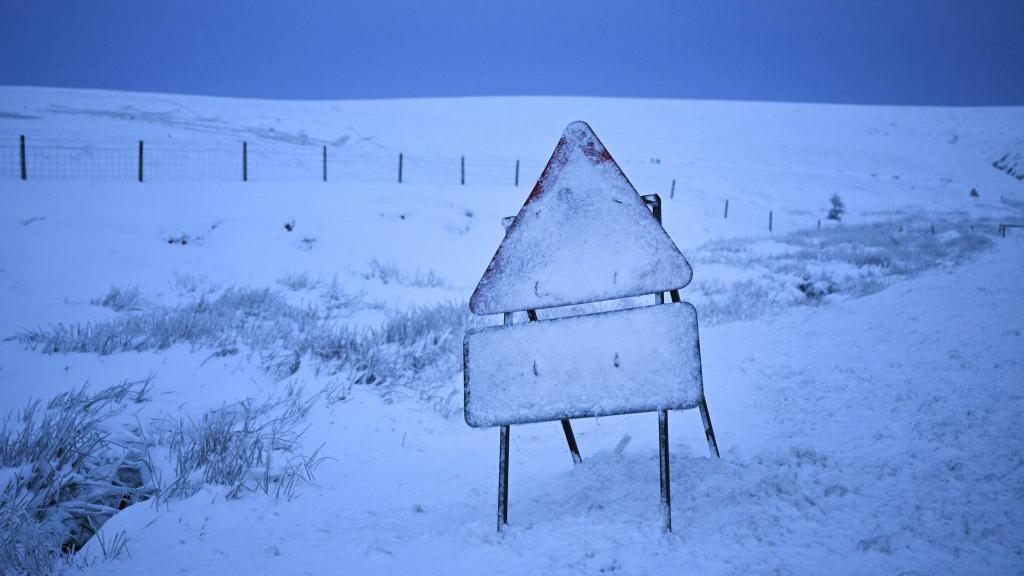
(272, 369)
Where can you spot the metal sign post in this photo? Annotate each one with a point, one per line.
(612, 246)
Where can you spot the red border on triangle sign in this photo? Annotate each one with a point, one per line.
(583, 235)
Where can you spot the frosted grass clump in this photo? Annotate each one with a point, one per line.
(815, 266)
(336, 298)
(236, 315)
(299, 282)
(719, 302)
(390, 273)
(67, 467)
(120, 299)
(417, 350)
(245, 446)
(71, 464)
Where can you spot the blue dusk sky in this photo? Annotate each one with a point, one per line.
(936, 52)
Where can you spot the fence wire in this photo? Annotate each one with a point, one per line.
(50, 160)
(10, 163)
(166, 164)
(75, 163)
(162, 162)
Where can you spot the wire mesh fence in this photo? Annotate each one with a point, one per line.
(174, 164)
(164, 162)
(48, 160)
(56, 162)
(10, 163)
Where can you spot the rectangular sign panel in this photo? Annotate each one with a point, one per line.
(635, 360)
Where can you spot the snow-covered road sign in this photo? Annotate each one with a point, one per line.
(635, 360)
(584, 235)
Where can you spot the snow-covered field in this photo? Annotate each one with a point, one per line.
(282, 392)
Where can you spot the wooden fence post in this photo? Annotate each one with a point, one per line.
(24, 172)
(325, 162)
(462, 169)
(399, 167)
(726, 216)
(140, 160)
(517, 173)
(245, 161)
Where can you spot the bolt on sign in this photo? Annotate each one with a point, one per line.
(583, 236)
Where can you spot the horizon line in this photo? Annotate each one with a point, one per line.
(483, 96)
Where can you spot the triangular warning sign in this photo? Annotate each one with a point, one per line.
(583, 235)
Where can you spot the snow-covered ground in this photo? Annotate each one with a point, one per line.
(864, 379)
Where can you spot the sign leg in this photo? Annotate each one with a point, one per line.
(666, 478)
(571, 439)
(503, 479)
(708, 430)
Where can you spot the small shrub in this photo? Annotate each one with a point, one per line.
(837, 209)
(816, 289)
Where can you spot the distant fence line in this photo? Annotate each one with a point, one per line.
(164, 162)
(54, 161)
(143, 161)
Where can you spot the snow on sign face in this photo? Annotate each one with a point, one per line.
(583, 235)
(621, 362)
